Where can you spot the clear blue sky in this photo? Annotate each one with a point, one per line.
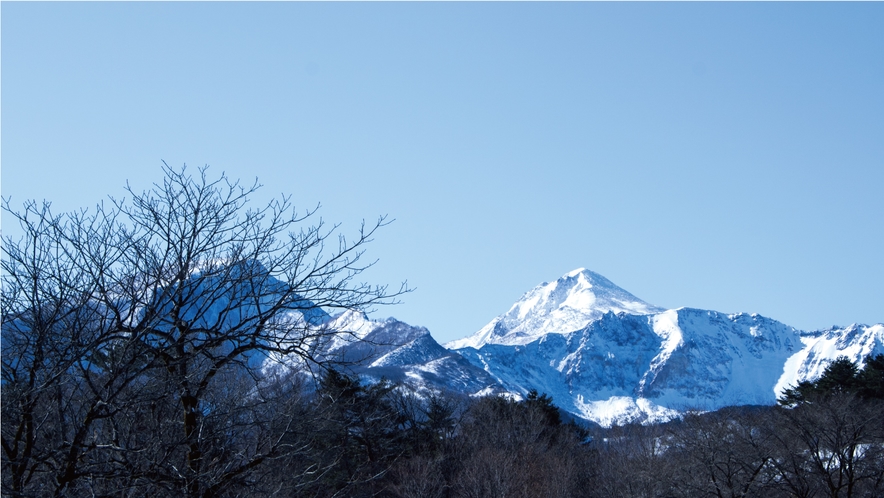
(725, 156)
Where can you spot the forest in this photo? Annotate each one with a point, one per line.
(135, 346)
(346, 438)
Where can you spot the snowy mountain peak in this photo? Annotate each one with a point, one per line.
(568, 304)
(574, 273)
(602, 354)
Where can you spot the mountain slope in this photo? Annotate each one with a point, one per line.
(636, 362)
(642, 367)
(856, 342)
(399, 352)
(602, 354)
(566, 305)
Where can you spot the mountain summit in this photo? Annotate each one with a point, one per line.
(568, 304)
(603, 354)
(606, 356)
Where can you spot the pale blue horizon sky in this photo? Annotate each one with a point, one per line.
(725, 156)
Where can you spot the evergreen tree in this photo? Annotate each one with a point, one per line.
(544, 403)
(841, 376)
(870, 379)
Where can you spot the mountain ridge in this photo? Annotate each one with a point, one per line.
(564, 305)
(605, 355)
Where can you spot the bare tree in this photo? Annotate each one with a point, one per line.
(633, 462)
(721, 454)
(134, 336)
(832, 446)
(59, 379)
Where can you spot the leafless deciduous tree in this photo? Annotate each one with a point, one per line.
(633, 462)
(833, 446)
(133, 336)
(723, 454)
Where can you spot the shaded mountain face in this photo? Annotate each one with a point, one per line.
(400, 353)
(224, 302)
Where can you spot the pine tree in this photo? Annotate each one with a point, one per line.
(841, 376)
(870, 379)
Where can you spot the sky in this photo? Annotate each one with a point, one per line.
(724, 156)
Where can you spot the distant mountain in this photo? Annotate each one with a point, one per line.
(606, 356)
(568, 304)
(402, 353)
(603, 354)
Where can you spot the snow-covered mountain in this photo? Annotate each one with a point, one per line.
(226, 298)
(399, 352)
(568, 304)
(603, 354)
(856, 342)
(607, 356)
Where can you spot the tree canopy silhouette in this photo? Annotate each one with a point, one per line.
(133, 334)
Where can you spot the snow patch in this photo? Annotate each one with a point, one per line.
(623, 409)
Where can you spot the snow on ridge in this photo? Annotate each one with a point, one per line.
(574, 273)
(623, 409)
(609, 357)
(476, 340)
(665, 325)
(570, 303)
(646, 368)
(350, 326)
(856, 342)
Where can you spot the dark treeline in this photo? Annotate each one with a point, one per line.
(347, 438)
